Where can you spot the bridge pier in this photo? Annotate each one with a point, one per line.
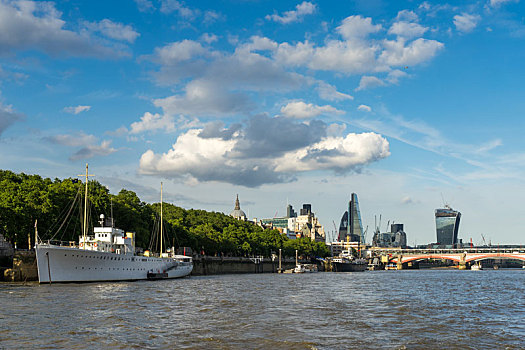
(462, 262)
(399, 262)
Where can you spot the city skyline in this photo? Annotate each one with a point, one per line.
(410, 104)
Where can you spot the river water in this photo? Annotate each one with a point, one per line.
(425, 309)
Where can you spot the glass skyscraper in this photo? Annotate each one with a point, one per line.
(447, 226)
(351, 225)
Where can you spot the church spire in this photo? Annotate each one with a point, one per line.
(237, 204)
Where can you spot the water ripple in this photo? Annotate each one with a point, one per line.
(425, 309)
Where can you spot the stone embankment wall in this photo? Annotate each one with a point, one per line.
(223, 265)
(24, 268)
(6, 255)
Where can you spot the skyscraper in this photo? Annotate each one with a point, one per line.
(351, 225)
(447, 226)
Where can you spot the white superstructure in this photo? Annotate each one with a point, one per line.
(106, 256)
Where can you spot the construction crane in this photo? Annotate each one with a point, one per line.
(336, 234)
(377, 227)
(484, 242)
(364, 233)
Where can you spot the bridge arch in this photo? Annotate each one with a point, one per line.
(409, 258)
(493, 257)
(469, 257)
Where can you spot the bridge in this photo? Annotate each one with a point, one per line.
(463, 256)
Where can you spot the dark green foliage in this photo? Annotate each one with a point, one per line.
(26, 198)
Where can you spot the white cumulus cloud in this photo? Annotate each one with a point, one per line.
(8, 117)
(399, 53)
(170, 6)
(88, 143)
(301, 10)
(144, 5)
(152, 122)
(336, 153)
(357, 27)
(113, 30)
(466, 22)
(32, 25)
(407, 29)
(302, 110)
(330, 93)
(75, 140)
(77, 110)
(497, 3)
(209, 38)
(267, 150)
(179, 51)
(408, 16)
(368, 82)
(90, 151)
(364, 108)
(203, 98)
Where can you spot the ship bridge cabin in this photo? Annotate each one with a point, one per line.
(109, 239)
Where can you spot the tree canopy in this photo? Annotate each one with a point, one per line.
(27, 198)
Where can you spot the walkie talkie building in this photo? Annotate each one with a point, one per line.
(447, 226)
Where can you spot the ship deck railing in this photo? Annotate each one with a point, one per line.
(70, 244)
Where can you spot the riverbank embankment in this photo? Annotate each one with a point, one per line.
(24, 267)
(211, 265)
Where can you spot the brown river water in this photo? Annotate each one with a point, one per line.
(417, 309)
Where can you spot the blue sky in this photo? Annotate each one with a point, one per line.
(406, 103)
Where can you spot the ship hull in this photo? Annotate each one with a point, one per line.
(66, 264)
(348, 267)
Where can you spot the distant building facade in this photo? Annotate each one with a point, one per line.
(295, 226)
(447, 226)
(237, 213)
(351, 228)
(308, 225)
(396, 238)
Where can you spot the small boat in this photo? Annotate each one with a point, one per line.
(305, 268)
(391, 267)
(476, 267)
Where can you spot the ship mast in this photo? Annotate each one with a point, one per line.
(161, 220)
(84, 226)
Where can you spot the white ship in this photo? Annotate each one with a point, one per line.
(109, 255)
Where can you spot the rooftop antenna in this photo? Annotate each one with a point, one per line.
(445, 204)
